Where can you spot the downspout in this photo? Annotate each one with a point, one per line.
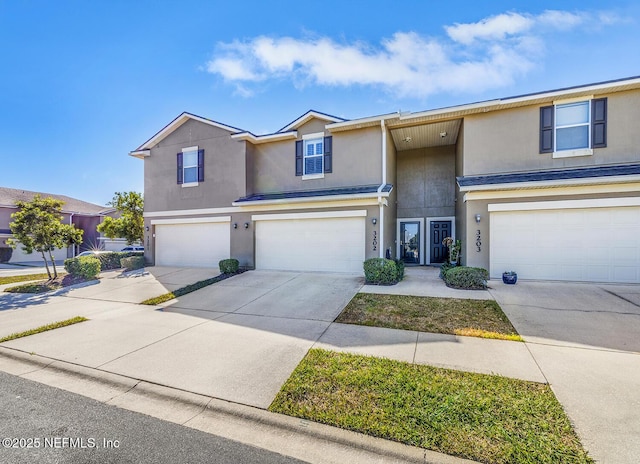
(384, 182)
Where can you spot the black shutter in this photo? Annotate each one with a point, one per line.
(546, 129)
(200, 165)
(299, 157)
(328, 165)
(599, 123)
(180, 173)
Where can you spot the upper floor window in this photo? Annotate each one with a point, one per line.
(314, 156)
(573, 128)
(190, 166)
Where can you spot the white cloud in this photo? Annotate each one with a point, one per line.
(472, 58)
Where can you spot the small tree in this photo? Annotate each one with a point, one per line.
(37, 226)
(130, 224)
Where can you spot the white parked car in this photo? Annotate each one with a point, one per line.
(90, 253)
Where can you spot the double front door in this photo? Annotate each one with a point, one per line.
(411, 241)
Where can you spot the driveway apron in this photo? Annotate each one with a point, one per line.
(585, 339)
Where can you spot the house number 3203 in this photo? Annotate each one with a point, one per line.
(375, 240)
(478, 241)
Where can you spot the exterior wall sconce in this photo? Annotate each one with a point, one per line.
(246, 225)
(374, 221)
(478, 217)
(146, 228)
(235, 225)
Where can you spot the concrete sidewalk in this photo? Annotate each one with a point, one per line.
(240, 339)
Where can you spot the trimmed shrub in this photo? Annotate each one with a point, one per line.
(111, 259)
(131, 263)
(5, 254)
(444, 268)
(399, 269)
(468, 278)
(229, 266)
(380, 271)
(87, 267)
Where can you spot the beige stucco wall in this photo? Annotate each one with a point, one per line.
(508, 141)
(224, 170)
(356, 161)
(426, 182)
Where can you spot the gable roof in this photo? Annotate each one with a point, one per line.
(311, 114)
(9, 196)
(173, 125)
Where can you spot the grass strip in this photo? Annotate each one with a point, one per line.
(487, 418)
(44, 328)
(454, 316)
(187, 289)
(22, 278)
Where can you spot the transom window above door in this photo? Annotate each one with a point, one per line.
(313, 156)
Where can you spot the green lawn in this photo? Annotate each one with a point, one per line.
(22, 278)
(44, 328)
(456, 316)
(187, 289)
(486, 418)
(43, 286)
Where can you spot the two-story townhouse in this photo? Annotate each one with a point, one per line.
(83, 215)
(546, 184)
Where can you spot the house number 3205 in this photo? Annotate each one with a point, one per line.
(375, 240)
(478, 241)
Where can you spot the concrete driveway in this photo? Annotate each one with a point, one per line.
(237, 340)
(586, 340)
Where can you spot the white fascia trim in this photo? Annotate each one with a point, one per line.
(141, 154)
(566, 204)
(554, 191)
(308, 116)
(552, 183)
(258, 139)
(191, 220)
(358, 122)
(324, 215)
(355, 196)
(565, 101)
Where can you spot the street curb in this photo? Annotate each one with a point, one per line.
(337, 445)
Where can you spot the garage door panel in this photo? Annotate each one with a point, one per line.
(326, 244)
(192, 245)
(586, 244)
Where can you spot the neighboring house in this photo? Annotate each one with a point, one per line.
(547, 185)
(83, 215)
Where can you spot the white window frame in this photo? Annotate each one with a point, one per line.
(588, 151)
(307, 140)
(184, 166)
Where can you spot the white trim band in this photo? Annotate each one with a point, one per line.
(191, 220)
(565, 204)
(325, 215)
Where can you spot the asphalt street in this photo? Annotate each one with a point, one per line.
(43, 424)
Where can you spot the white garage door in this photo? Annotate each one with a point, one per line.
(19, 256)
(192, 245)
(323, 244)
(586, 244)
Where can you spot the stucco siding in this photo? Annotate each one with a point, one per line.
(224, 170)
(426, 182)
(508, 141)
(356, 161)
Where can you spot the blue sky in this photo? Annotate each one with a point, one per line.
(83, 83)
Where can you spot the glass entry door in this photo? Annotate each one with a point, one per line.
(410, 242)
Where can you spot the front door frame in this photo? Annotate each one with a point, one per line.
(398, 248)
(427, 236)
